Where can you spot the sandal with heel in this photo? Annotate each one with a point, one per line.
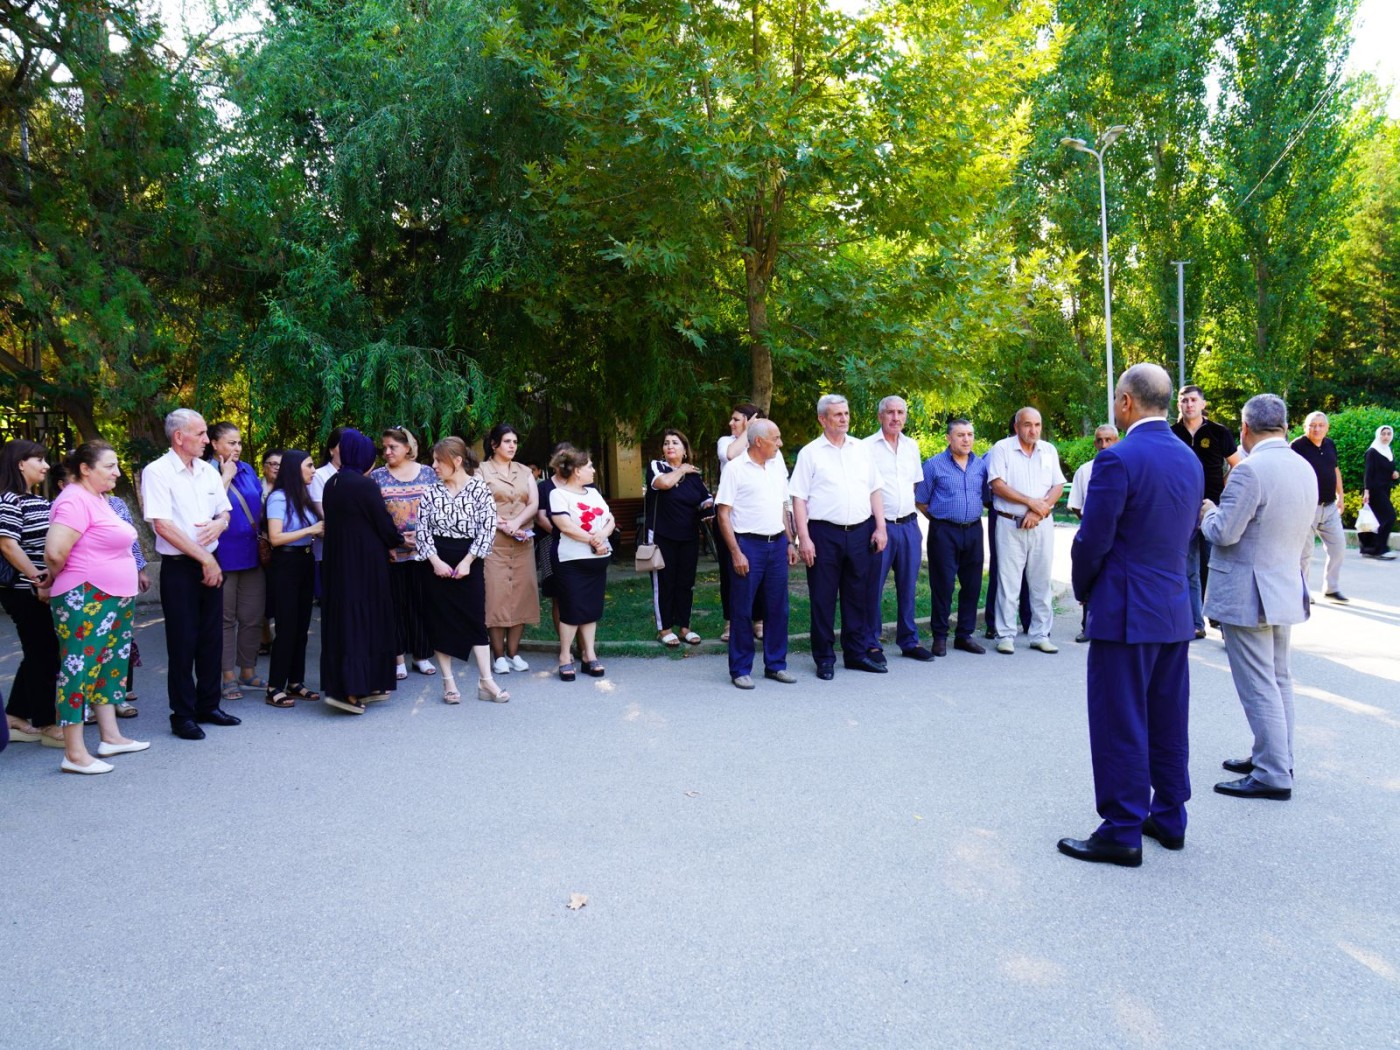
(450, 695)
(487, 689)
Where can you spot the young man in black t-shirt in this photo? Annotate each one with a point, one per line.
(1214, 446)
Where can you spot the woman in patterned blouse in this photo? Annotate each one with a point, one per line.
(402, 481)
(456, 525)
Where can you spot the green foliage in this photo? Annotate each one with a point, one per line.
(1074, 453)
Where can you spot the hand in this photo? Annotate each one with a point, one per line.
(792, 555)
(879, 540)
(1030, 520)
(143, 581)
(318, 529)
(228, 468)
(464, 567)
(42, 592)
(440, 568)
(208, 533)
(213, 575)
(1043, 507)
(1206, 507)
(807, 551)
(741, 564)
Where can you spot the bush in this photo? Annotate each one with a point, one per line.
(1352, 430)
(1074, 453)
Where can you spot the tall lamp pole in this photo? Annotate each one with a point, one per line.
(1108, 138)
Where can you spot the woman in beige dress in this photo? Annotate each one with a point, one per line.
(512, 600)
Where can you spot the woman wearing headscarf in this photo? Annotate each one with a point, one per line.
(292, 525)
(402, 481)
(244, 589)
(456, 521)
(24, 525)
(676, 497)
(512, 599)
(1380, 476)
(358, 633)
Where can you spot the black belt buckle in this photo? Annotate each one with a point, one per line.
(761, 537)
(901, 521)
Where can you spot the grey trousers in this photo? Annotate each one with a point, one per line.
(1259, 666)
(1029, 551)
(245, 607)
(1327, 523)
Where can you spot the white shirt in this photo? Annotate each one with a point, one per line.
(898, 470)
(755, 495)
(835, 481)
(317, 489)
(1079, 487)
(188, 496)
(1031, 475)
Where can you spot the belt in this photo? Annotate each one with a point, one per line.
(286, 549)
(901, 521)
(1011, 517)
(959, 524)
(761, 537)
(843, 528)
(1326, 502)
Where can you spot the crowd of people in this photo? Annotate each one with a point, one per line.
(417, 564)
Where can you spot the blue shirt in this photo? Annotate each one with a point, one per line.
(951, 492)
(291, 522)
(238, 546)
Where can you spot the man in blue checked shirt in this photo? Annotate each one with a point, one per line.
(950, 496)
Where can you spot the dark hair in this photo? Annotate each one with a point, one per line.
(568, 460)
(14, 453)
(332, 443)
(269, 454)
(957, 421)
(1192, 388)
(88, 454)
(217, 431)
(748, 410)
(685, 441)
(289, 481)
(450, 448)
(497, 435)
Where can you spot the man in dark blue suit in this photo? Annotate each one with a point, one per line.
(1129, 566)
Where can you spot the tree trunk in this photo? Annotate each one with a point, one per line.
(759, 353)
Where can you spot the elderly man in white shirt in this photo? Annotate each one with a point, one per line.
(183, 498)
(755, 526)
(900, 468)
(840, 516)
(1026, 483)
(1104, 436)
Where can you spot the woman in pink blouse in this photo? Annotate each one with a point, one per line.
(91, 596)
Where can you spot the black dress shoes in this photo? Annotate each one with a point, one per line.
(940, 647)
(864, 663)
(826, 672)
(1248, 787)
(877, 656)
(219, 717)
(967, 645)
(1152, 830)
(1237, 765)
(1091, 849)
(920, 653)
(187, 730)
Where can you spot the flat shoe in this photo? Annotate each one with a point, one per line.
(1091, 849)
(252, 683)
(1045, 645)
(424, 667)
(230, 691)
(517, 663)
(400, 672)
(95, 766)
(106, 750)
(1238, 765)
(502, 666)
(690, 638)
(670, 640)
(1153, 830)
(742, 681)
(1248, 787)
(277, 698)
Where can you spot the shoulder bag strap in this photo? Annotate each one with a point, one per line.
(244, 504)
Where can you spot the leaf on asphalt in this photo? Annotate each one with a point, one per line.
(576, 901)
(692, 794)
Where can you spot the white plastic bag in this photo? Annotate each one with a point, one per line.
(1366, 519)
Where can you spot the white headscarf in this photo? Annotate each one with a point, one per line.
(1380, 446)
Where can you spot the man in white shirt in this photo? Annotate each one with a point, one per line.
(900, 468)
(317, 489)
(1026, 483)
(754, 525)
(840, 517)
(183, 498)
(1104, 437)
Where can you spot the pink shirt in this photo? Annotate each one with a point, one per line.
(101, 555)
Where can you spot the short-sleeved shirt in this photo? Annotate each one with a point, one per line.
(316, 490)
(190, 497)
(1031, 475)
(1213, 445)
(121, 510)
(673, 513)
(402, 499)
(1323, 459)
(238, 546)
(292, 519)
(1079, 487)
(755, 495)
(835, 480)
(101, 555)
(589, 511)
(952, 492)
(722, 451)
(899, 470)
(24, 518)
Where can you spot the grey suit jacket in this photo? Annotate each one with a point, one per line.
(1258, 532)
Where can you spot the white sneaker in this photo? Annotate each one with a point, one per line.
(1006, 645)
(502, 665)
(1045, 645)
(518, 663)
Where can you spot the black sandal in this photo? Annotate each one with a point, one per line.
(566, 672)
(279, 698)
(300, 691)
(594, 669)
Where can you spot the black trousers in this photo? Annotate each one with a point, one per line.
(954, 557)
(291, 585)
(841, 571)
(194, 638)
(34, 694)
(673, 588)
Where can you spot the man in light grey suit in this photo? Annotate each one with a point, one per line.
(1257, 590)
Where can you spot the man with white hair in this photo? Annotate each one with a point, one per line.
(840, 517)
(1105, 436)
(897, 463)
(184, 500)
(1317, 448)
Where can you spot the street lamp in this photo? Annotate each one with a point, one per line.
(1108, 138)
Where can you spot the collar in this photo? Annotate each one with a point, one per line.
(1145, 419)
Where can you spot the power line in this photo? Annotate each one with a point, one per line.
(1297, 136)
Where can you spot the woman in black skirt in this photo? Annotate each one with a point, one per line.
(456, 525)
(582, 524)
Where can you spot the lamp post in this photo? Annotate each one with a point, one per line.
(1108, 138)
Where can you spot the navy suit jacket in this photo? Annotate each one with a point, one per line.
(1129, 556)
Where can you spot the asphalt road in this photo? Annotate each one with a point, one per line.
(864, 863)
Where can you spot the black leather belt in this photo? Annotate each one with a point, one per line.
(1018, 518)
(761, 537)
(901, 521)
(1326, 502)
(843, 528)
(287, 549)
(959, 524)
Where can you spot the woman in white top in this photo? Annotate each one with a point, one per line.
(582, 523)
(731, 446)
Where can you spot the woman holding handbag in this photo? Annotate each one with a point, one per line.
(1380, 477)
(675, 500)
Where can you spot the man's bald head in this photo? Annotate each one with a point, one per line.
(1149, 386)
